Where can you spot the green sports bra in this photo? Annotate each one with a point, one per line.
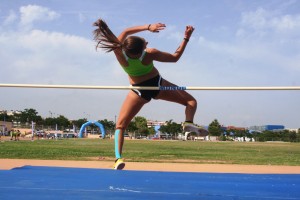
(136, 67)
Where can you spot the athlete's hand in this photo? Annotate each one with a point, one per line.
(188, 31)
(155, 28)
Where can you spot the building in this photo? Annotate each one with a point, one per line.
(234, 128)
(5, 126)
(296, 130)
(266, 128)
(151, 123)
(156, 125)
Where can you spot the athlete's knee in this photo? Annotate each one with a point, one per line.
(192, 103)
(120, 128)
(120, 123)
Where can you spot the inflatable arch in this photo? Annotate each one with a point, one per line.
(90, 123)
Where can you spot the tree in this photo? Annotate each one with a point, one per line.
(292, 136)
(49, 121)
(4, 116)
(79, 122)
(214, 128)
(132, 127)
(29, 115)
(141, 125)
(151, 131)
(109, 126)
(62, 121)
(171, 128)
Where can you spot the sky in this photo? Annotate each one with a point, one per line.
(235, 43)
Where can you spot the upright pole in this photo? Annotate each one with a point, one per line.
(32, 130)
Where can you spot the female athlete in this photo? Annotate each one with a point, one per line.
(137, 60)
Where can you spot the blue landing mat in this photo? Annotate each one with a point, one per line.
(76, 183)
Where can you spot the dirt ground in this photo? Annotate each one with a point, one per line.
(6, 164)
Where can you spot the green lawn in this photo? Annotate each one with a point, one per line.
(156, 151)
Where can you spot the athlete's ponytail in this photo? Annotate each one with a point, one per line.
(105, 38)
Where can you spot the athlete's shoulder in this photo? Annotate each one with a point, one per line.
(153, 52)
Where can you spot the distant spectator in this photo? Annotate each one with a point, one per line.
(13, 134)
(18, 134)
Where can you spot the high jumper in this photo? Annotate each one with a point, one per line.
(137, 60)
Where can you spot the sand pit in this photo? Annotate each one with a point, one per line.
(6, 164)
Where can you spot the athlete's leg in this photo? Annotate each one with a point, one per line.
(131, 106)
(184, 98)
(181, 97)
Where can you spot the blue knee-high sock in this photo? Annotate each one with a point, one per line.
(117, 152)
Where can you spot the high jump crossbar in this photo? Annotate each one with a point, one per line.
(145, 88)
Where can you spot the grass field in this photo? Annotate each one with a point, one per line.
(156, 151)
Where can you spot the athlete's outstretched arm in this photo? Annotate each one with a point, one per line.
(148, 27)
(168, 57)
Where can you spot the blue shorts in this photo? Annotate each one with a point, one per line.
(148, 94)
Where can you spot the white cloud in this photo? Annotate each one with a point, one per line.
(51, 57)
(271, 37)
(34, 13)
(36, 56)
(286, 23)
(263, 20)
(255, 20)
(12, 17)
(225, 49)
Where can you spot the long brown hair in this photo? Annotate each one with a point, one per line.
(104, 37)
(109, 42)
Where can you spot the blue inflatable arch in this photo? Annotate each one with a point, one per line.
(90, 123)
